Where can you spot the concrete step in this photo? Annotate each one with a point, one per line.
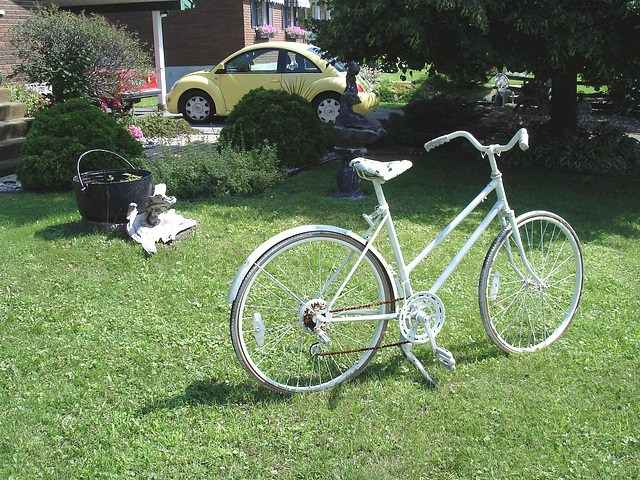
(5, 95)
(10, 111)
(8, 166)
(10, 148)
(10, 155)
(15, 128)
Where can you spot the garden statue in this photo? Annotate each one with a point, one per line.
(347, 117)
(156, 223)
(352, 131)
(158, 204)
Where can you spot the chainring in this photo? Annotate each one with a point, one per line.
(420, 309)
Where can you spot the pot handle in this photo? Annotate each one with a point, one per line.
(83, 187)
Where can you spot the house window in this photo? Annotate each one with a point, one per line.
(261, 13)
(290, 16)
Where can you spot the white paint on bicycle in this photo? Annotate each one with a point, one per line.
(421, 312)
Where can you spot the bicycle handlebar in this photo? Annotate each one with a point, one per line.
(521, 137)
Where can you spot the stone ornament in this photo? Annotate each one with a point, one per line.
(156, 223)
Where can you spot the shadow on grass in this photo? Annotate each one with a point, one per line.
(76, 230)
(212, 392)
(474, 352)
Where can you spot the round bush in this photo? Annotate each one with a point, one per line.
(277, 118)
(61, 134)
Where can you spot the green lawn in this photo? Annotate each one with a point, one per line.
(114, 364)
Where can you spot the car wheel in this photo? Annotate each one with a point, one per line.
(196, 106)
(327, 107)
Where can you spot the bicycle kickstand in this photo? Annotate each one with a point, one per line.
(406, 349)
(442, 355)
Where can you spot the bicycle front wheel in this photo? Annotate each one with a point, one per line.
(519, 313)
(307, 314)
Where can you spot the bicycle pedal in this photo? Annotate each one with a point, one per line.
(445, 358)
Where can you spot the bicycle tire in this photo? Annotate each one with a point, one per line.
(518, 314)
(280, 350)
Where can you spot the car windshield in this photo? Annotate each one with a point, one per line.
(340, 66)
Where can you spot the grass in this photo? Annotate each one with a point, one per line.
(147, 102)
(392, 105)
(114, 364)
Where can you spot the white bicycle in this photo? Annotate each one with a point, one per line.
(311, 305)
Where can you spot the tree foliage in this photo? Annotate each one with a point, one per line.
(78, 56)
(554, 39)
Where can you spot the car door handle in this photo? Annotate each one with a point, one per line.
(275, 80)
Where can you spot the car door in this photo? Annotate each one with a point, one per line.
(299, 74)
(249, 70)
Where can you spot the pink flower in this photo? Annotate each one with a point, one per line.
(136, 132)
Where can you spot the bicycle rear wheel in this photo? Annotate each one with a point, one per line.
(518, 313)
(286, 331)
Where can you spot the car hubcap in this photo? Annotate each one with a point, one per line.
(197, 108)
(328, 110)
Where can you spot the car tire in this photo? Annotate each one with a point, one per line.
(197, 106)
(327, 106)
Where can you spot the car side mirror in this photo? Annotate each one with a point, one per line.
(221, 68)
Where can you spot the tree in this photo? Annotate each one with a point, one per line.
(554, 39)
(79, 56)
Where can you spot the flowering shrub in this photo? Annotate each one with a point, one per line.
(136, 132)
(295, 31)
(267, 30)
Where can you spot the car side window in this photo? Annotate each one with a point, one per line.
(256, 61)
(296, 63)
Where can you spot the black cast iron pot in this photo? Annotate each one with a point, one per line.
(105, 195)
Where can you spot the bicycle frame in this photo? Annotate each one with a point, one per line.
(382, 218)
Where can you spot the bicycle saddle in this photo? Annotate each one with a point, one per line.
(381, 171)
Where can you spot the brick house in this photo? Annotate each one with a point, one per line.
(203, 36)
(194, 38)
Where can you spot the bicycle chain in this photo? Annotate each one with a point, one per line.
(377, 304)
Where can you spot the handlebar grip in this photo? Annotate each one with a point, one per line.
(436, 142)
(524, 140)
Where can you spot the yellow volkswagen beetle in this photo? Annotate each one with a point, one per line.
(294, 67)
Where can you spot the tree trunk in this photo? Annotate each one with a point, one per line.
(564, 103)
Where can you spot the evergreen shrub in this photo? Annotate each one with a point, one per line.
(281, 119)
(63, 132)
